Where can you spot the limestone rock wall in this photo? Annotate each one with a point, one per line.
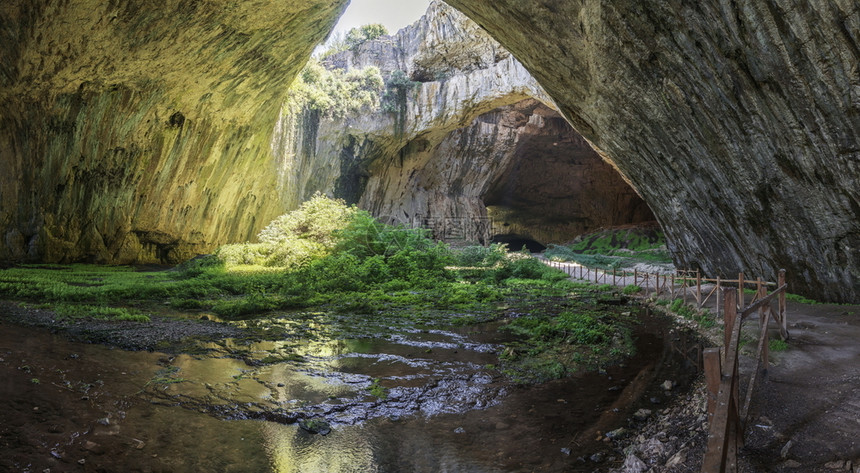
(475, 129)
(140, 132)
(738, 122)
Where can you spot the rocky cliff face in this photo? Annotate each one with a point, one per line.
(472, 131)
(123, 128)
(136, 132)
(738, 122)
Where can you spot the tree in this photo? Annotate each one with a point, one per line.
(363, 33)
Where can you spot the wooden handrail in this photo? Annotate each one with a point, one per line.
(727, 418)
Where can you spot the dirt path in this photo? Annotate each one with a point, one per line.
(805, 414)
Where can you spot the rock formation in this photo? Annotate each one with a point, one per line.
(738, 122)
(136, 132)
(472, 131)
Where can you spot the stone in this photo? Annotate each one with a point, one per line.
(692, 104)
(652, 449)
(667, 385)
(835, 465)
(315, 426)
(144, 150)
(632, 464)
(642, 414)
(93, 447)
(783, 453)
(677, 458)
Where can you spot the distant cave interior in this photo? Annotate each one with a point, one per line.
(556, 187)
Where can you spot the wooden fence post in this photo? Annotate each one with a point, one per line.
(741, 290)
(712, 378)
(783, 332)
(718, 289)
(699, 288)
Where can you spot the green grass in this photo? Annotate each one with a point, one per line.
(612, 249)
(631, 289)
(377, 389)
(800, 299)
(704, 319)
(775, 344)
(369, 273)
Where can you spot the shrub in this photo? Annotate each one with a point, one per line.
(361, 34)
(243, 253)
(364, 236)
(335, 93)
(481, 256)
(316, 220)
(631, 289)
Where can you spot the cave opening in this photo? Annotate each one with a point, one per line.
(555, 186)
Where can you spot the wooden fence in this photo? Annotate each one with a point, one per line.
(727, 417)
(681, 284)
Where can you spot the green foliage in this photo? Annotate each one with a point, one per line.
(99, 312)
(361, 34)
(775, 344)
(397, 89)
(612, 249)
(335, 93)
(800, 299)
(564, 253)
(631, 289)
(340, 42)
(364, 236)
(679, 307)
(294, 239)
(481, 256)
(522, 266)
(316, 220)
(377, 389)
(555, 344)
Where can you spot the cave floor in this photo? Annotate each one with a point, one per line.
(805, 412)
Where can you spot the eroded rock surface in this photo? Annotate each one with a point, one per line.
(135, 132)
(474, 130)
(738, 122)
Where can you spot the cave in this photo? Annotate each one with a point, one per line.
(749, 160)
(555, 187)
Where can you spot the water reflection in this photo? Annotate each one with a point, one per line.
(234, 410)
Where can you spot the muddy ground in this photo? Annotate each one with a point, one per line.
(805, 412)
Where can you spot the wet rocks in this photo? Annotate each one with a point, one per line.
(315, 426)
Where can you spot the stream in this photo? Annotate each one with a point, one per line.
(406, 399)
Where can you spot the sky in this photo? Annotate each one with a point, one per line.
(394, 14)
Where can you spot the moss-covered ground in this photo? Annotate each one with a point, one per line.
(334, 266)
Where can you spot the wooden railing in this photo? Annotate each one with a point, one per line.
(681, 283)
(727, 418)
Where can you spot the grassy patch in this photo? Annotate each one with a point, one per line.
(612, 249)
(631, 289)
(775, 344)
(686, 311)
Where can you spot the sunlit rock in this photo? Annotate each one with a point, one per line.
(136, 131)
